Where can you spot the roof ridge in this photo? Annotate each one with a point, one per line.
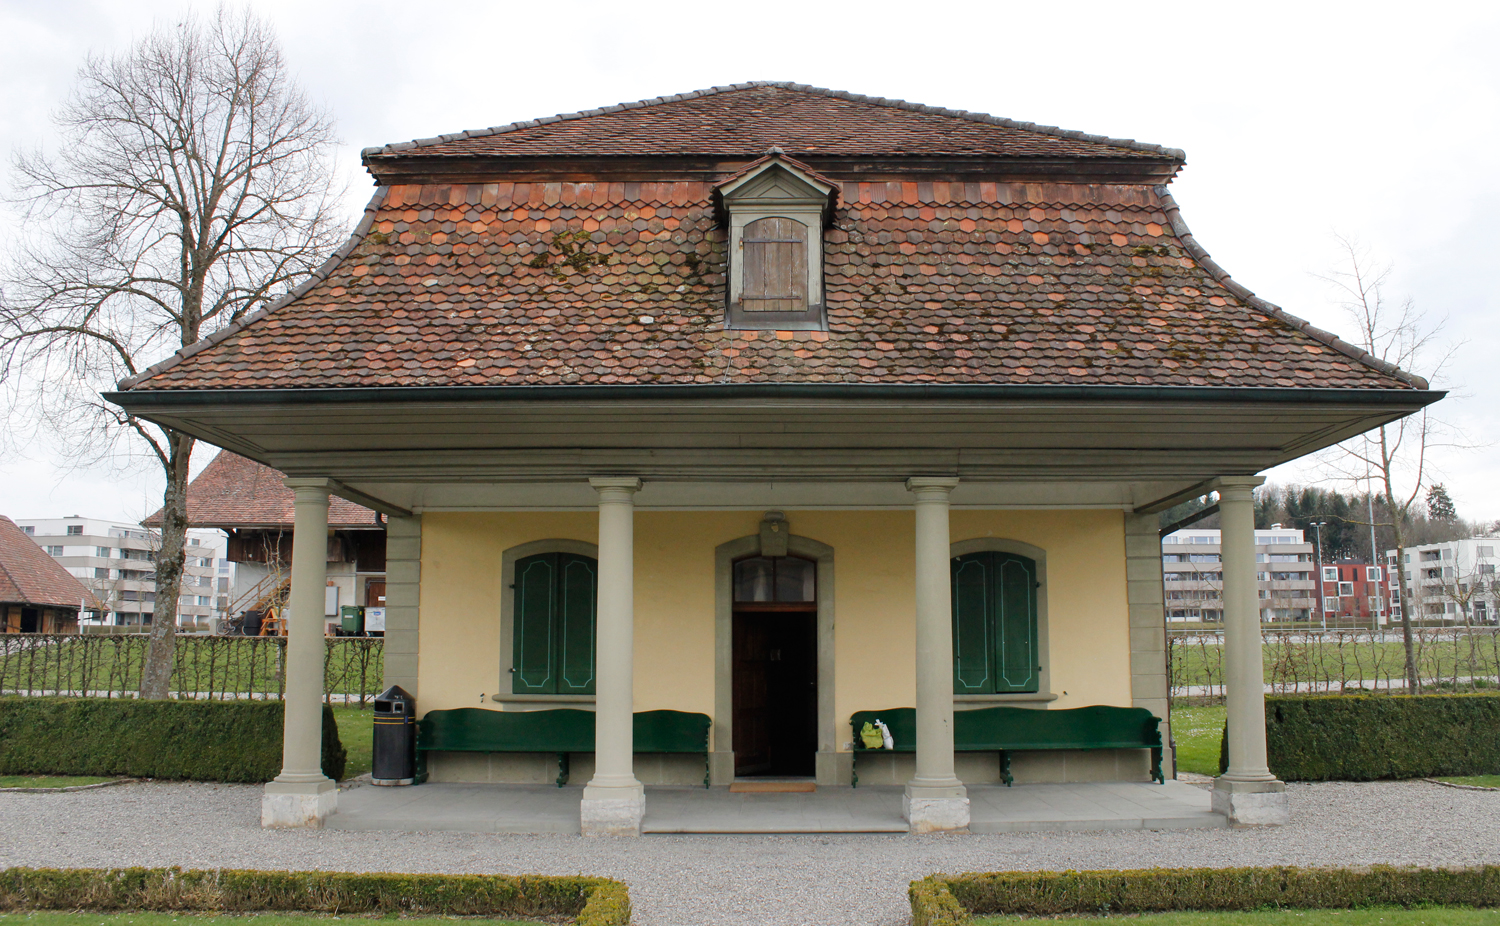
(366, 222)
(986, 118)
(1328, 338)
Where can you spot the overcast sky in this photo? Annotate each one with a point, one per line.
(1379, 121)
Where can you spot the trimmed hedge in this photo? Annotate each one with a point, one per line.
(593, 901)
(191, 740)
(942, 900)
(1368, 737)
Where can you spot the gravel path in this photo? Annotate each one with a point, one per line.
(731, 880)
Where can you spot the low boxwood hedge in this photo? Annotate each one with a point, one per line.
(591, 901)
(191, 740)
(943, 900)
(1368, 737)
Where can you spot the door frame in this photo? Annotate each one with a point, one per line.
(832, 767)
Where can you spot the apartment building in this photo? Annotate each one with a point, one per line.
(1354, 590)
(1452, 582)
(1193, 581)
(117, 563)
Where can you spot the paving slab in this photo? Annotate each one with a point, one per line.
(497, 808)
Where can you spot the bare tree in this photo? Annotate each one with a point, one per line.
(1393, 458)
(192, 185)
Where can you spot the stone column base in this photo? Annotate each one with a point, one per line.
(721, 767)
(936, 810)
(612, 811)
(1251, 803)
(303, 805)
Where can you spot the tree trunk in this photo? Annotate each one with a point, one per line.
(156, 676)
(1413, 683)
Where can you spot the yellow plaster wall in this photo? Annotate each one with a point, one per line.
(674, 600)
(1087, 611)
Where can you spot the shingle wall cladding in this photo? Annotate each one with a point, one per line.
(927, 282)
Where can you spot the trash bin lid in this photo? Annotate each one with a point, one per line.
(387, 701)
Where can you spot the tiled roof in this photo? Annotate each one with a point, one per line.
(237, 492)
(927, 282)
(743, 120)
(29, 576)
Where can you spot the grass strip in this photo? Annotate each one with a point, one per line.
(50, 781)
(589, 901)
(1367, 916)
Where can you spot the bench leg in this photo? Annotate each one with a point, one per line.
(1156, 774)
(1005, 775)
(854, 769)
(563, 768)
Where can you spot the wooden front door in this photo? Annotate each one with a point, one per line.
(775, 692)
(374, 593)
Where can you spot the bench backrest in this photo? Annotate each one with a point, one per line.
(475, 729)
(1096, 726)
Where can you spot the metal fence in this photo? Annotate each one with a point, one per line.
(1313, 661)
(109, 666)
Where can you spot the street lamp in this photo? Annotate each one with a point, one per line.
(1317, 527)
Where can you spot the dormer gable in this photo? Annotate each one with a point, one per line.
(776, 210)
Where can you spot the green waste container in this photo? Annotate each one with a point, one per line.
(352, 620)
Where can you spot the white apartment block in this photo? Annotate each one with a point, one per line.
(1193, 581)
(117, 563)
(1453, 582)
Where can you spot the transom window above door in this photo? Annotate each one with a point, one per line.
(768, 581)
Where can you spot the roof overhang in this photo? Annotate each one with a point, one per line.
(372, 439)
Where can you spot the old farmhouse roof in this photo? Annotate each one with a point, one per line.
(524, 279)
(234, 492)
(29, 576)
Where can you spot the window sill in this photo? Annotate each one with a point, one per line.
(543, 700)
(1021, 696)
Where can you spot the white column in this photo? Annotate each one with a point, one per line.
(302, 795)
(1248, 792)
(614, 801)
(935, 800)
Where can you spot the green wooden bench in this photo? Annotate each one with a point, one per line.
(563, 731)
(1012, 729)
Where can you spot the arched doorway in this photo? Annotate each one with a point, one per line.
(775, 666)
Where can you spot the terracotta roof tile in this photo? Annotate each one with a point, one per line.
(237, 492)
(744, 120)
(927, 282)
(29, 576)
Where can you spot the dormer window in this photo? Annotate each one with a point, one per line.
(776, 210)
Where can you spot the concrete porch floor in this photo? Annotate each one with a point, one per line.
(495, 808)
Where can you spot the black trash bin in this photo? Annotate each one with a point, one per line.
(395, 752)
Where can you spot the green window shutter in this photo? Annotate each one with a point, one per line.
(973, 644)
(1015, 623)
(576, 597)
(534, 617)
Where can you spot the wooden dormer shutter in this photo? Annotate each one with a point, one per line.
(775, 262)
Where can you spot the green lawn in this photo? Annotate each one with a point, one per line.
(1483, 781)
(355, 732)
(1373, 916)
(204, 664)
(49, 781)
(52, 918)
(1199, 731)
(1338, 659)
